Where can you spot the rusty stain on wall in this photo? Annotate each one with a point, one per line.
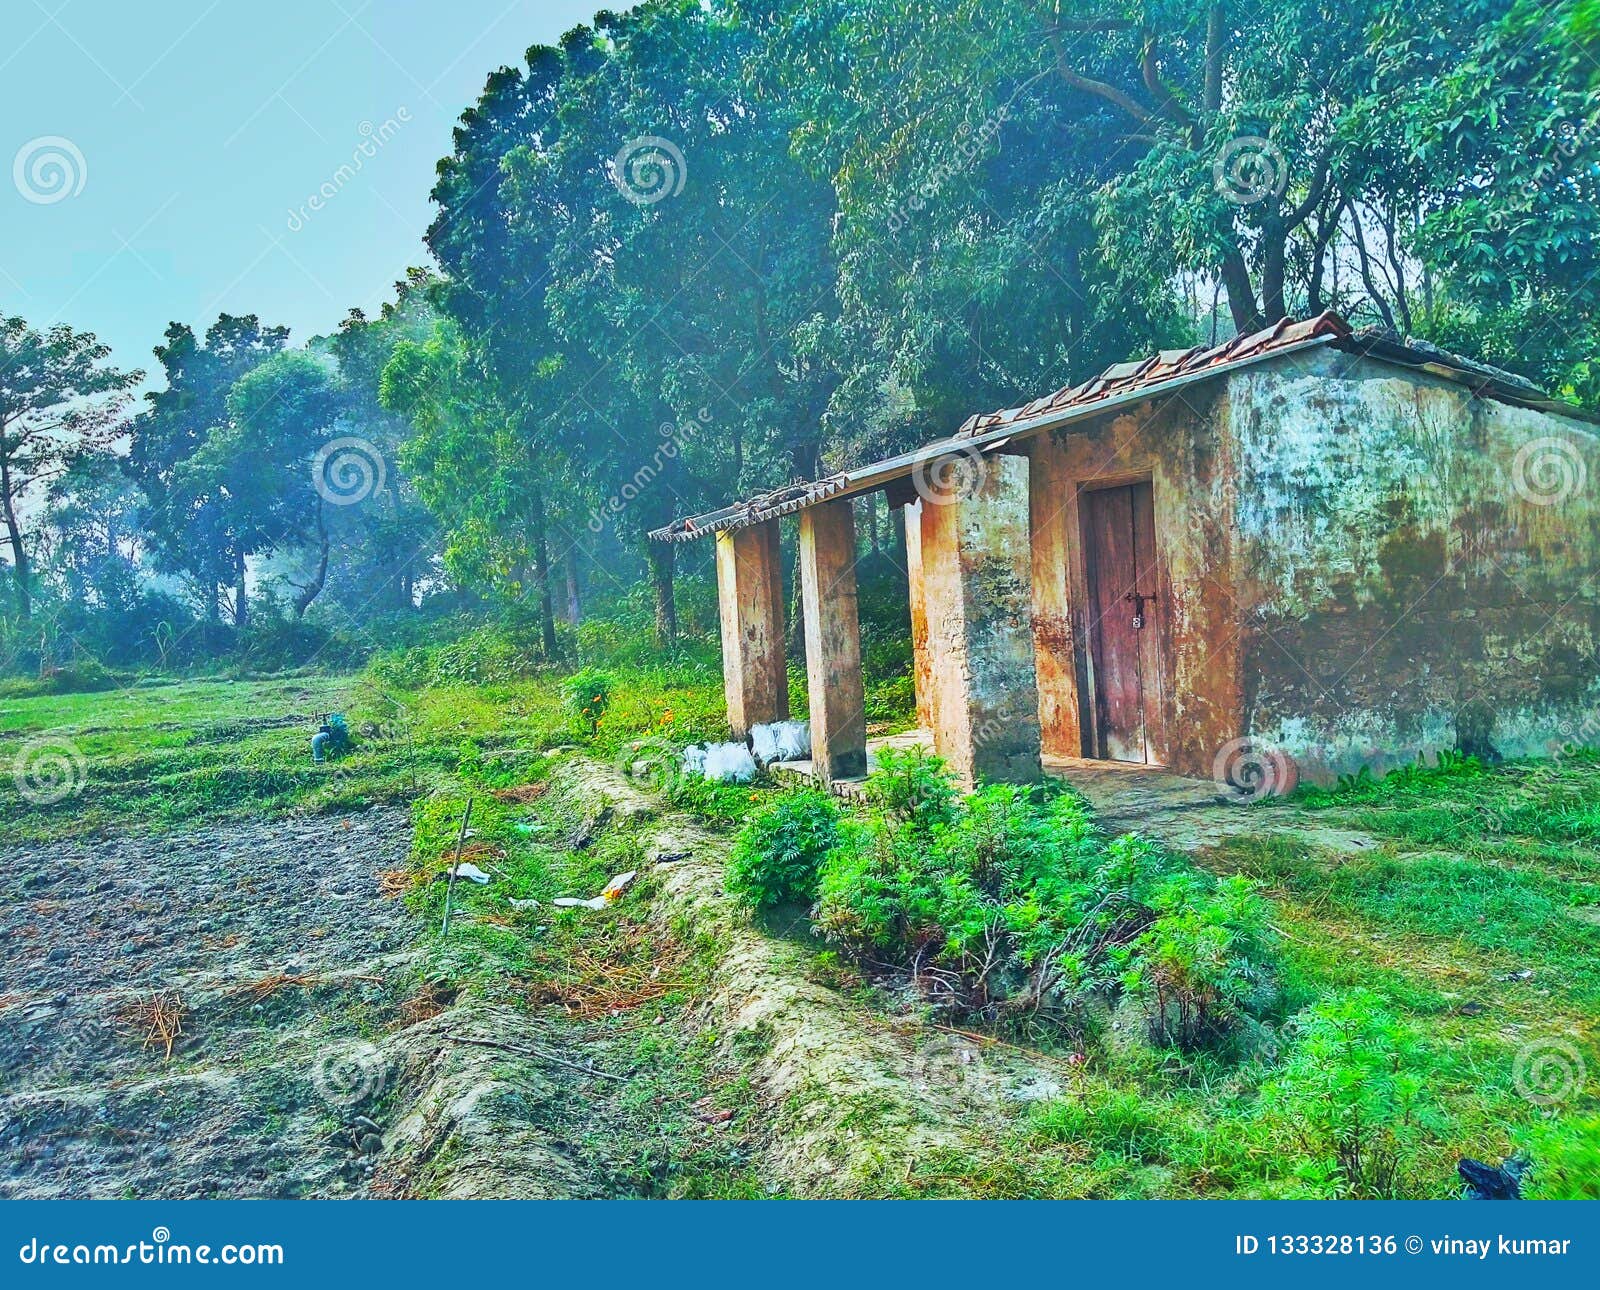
(1408, 588)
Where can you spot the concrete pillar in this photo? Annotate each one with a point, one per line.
(750, 600)
(921, 660)
(977, 587)
(1053, 518)
(833, 640)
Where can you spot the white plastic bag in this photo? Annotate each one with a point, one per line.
(729, 763)
(781, 741)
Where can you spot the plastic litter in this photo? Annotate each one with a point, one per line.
(781, 741)
(720, 763)
(730, 762)
(613, 889)
(522, 904)
(466, 869)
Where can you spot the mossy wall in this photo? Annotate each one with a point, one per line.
(1416, 568)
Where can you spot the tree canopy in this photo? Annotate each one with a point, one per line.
(704, 247)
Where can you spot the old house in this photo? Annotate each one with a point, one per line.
(1292, 554)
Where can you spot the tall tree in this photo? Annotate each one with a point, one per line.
(643, 268)
(59, 399)
(387, 544)
(92, 514)
(468, 465)
(189, 528)
(259, 470)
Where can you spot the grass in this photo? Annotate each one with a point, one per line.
(1471, 920)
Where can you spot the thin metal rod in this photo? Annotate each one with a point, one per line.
(450, 887)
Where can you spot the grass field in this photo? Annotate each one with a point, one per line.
(1462, 944)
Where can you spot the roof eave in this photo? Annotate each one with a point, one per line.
(866, 479)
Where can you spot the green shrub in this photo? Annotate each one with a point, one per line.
(912, 785)
(410, 668)
(1350, 1097)
(1010, 904)
(487, 655)
(1566, 1161)
(1198, 966)
(778, 853)
(893, 700)
(588, 695)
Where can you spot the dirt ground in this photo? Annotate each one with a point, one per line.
(297, 1071)
(255, 1099)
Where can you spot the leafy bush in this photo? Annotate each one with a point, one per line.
(273, 643)
(778, 853)
(913, 786)
(1010, 904)
(1566, 1161)
(1198, 967)
(892, 701)
(402, 669)
(485, 656)
(1350, 1096)
(588, 695)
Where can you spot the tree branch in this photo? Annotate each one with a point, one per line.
(1166, 101)
(1319, 183)
(1216, 48)
(1100, 89)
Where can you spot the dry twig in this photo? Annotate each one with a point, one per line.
(268, 986)
(161, 1016)
(523, 794)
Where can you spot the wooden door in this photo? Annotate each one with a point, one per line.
(1124, 620)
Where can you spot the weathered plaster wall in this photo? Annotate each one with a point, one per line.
(750, 606)
(976, 575)
(1177, 445)
(1408, 581)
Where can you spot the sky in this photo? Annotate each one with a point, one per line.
(160, 158)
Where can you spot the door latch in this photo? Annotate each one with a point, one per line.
(1137, 600)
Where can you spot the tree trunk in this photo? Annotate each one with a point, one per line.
(662, 558)
(1274, 256)
(313, 589)
(241, 599)
(19, 553)
(541, 572)
(1241, 293)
